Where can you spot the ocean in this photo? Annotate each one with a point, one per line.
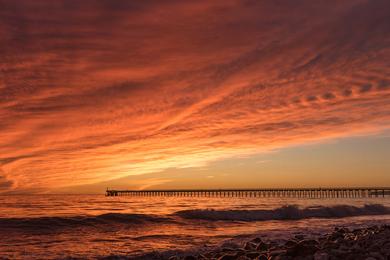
(95, 226)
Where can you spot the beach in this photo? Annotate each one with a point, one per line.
(371, 243)
(99, 227)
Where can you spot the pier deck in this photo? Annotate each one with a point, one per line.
(282, 192)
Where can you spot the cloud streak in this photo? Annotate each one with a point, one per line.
(98, 90)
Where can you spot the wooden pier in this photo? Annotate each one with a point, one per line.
(263, 193)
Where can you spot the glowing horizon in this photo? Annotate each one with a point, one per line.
(96, 91)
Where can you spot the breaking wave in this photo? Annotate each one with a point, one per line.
(290, 212)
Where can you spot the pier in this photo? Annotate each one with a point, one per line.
(261, 193)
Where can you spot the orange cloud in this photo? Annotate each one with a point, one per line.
(97, 90)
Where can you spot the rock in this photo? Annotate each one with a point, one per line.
(262, 246)
(329, 245)
(281, 257)
(252, 255)
(230, 244)
(250, 246)
(279, 252)
(190, 257)
(336, 236)
(365, 243)
(257, 240)
(344, 247)
(353, 256)
(321, 256)
(356, 247)
(274, 243)
(302, 249)
(374, 248)
(290, 243)
(339, 253)
(386, 249)
(228, 249)
(377, 256)
(262, 257)
(342, 230)
(228, 257)
(209, 255)
(243, 258)
(299, 237)
(309, 242)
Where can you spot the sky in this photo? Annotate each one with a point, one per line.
(177, 94)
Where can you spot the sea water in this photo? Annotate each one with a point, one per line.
(95, 226)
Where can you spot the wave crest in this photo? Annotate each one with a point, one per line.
(289, 212)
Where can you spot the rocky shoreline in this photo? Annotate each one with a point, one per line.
(372, 243)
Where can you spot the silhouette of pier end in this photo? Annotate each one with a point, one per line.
(282, 192)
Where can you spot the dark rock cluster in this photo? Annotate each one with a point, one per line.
(371, 243)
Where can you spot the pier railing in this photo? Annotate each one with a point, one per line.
(282, 192)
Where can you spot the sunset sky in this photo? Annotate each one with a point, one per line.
(193, 94)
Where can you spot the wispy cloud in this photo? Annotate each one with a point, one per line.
(98, 90)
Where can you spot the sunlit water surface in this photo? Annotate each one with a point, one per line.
(93, 226)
